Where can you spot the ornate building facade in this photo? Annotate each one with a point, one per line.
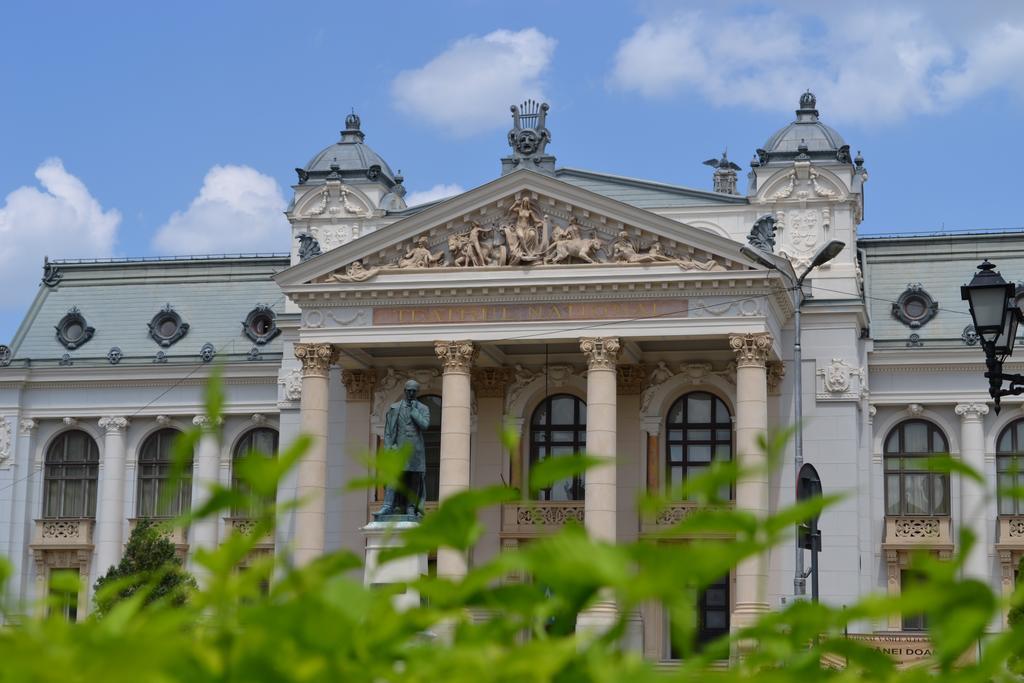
(585, 309)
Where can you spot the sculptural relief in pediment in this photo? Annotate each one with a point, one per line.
(802, 183)
(520, 234)
(334, 201)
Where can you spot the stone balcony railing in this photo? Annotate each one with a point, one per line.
(63, 533)
(247, 526)
(672, 515)
(1011, 532)
(912, 532)
(539, 517)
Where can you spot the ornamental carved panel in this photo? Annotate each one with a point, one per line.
(525, 231)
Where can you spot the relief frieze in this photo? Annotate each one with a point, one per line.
(534, 312)
(523, 236)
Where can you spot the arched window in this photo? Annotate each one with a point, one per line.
(432, 446)
(699, 430)
(910, 489)
(261, 441)
(1010, 467)
(559, 428)
(72, 468)
(158, 496)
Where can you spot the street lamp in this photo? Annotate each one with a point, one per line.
(995, 316)
(824, 255)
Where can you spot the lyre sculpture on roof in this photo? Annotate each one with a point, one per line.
(529, 135)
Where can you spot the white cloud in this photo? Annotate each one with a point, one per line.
(874, 64)
(61, 220)
(436, 192)
(469, 87)
(238, 209)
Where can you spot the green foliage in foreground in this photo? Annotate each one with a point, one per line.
(149, 565)
(511, 619)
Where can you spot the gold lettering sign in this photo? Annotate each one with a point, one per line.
(904, 648)
(518, 313)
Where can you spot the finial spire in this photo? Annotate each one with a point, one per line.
(352, 132)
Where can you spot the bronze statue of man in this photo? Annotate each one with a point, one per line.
(403, 428)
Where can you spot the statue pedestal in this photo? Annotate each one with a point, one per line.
(386, 533)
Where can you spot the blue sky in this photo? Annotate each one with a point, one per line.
(133, 129)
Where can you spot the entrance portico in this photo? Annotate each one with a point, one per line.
(502, 343)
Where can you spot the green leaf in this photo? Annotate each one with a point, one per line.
(558, 468)
(950, 465)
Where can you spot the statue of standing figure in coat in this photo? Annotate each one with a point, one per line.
(403, 427)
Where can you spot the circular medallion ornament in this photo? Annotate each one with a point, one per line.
(167, 327)
(914, 307)
(261, 325)
(72, 330)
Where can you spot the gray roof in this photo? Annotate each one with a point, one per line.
(120, 297)
(352, 156)
(643, 194)
(941, 263)
(806, 131)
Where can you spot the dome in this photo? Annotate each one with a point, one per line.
(806, 135)
(349, 158)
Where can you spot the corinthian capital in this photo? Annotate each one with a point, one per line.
(113, 425)
(455, 356)
(971, 411)
(601, 352)
(316, 359)
(751, 349)
(358, 384)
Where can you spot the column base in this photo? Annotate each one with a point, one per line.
(597, 619)
(382, 535)
(747, 615)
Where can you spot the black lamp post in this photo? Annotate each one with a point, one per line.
(996, 317)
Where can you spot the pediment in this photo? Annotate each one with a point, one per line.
(803, 182)
(523, 220)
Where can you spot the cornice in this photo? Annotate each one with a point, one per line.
(44, 385)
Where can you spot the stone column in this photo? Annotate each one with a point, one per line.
(599, 511)
(972, 493)
(27, 473)
(599, 506)
(311, 485)
(203, 533)
(751, 491)
(456, 415)
(110, 511)
(652, 430)
(359, 386)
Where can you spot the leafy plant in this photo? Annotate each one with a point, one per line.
(149, 566)
(511, 618)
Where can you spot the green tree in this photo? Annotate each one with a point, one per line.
(1016, 613)
(149, 564)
